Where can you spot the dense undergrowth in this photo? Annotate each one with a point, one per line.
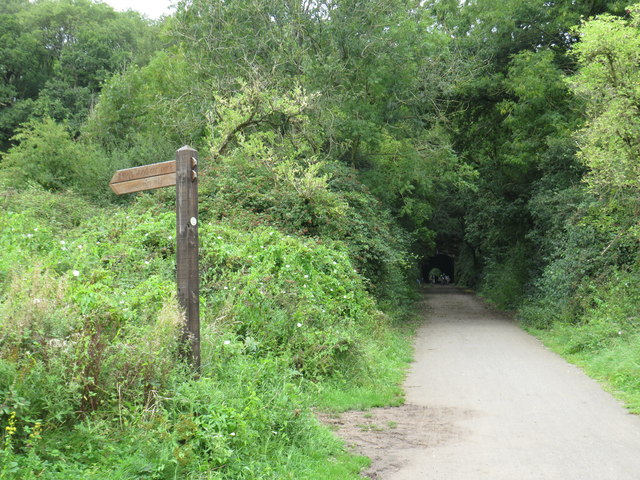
(90, 376)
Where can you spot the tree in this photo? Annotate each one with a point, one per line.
(609, 57)
(514, 125)
(55, 55)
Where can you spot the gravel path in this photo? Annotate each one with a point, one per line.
(486, 401)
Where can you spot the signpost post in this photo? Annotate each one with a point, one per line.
(183, 173)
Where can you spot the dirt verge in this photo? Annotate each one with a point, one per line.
(389, 435)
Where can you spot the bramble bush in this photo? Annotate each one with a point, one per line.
(280, 294)
(505, 279)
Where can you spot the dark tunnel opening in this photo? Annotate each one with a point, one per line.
(441, 262)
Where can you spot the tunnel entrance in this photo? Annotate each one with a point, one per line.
(444, 263)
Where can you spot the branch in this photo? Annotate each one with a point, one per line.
(247, 123)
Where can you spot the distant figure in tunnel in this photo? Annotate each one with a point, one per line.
(434, 275)
(439, 268)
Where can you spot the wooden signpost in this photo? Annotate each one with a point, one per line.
(183, 173)
(147, 177)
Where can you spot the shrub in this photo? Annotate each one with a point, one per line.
(47, 156)
(505, 280)
(280, 294)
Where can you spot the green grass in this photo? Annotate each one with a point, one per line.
(596, 328)
(616, 366)
(388, 360)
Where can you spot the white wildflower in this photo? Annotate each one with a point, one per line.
(76, 273)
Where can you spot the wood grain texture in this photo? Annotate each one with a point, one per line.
(151, 170)
(187, 250)
(142, 184)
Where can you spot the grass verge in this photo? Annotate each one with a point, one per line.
(382, 386)
(616, 366)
